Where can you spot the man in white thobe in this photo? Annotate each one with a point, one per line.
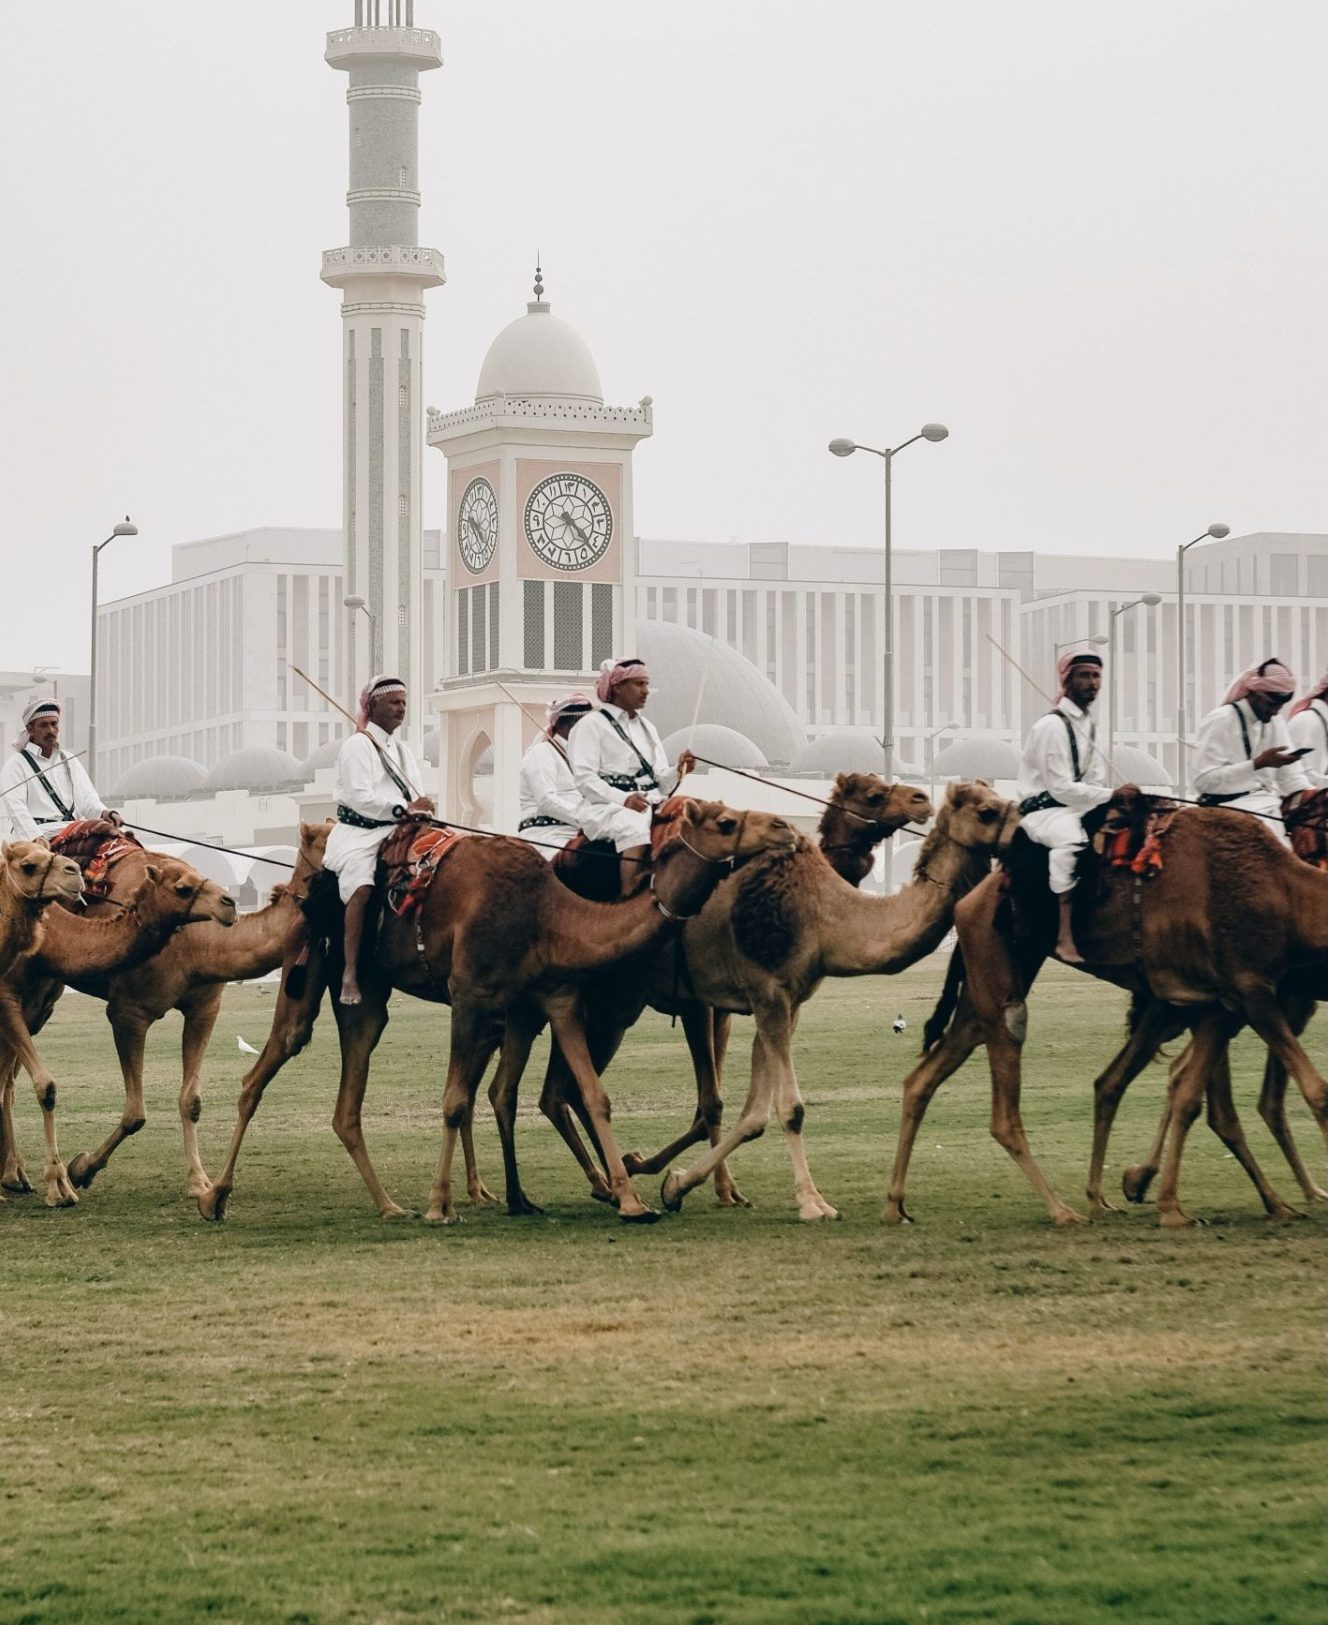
(378, 783)
(42, 789)
(549, 801)
(620, 768)
(1244, 758)
(1307, 725)
(1063, 775)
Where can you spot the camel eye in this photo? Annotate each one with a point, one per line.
(184, 889)
(726, 826)
(875, 796)
(988, 815)
(29, 868)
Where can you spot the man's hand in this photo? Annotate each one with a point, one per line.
(636, 802)
(113, 818)
(1278, 756)
(422, 804)
(686, 763)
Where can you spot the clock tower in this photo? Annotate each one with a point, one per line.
(541, 553)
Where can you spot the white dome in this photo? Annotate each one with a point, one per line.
(539, 355)
(158, 778)
(255, 768)
(1134, 766)
(981, 757)
(324, 756)
(854, 751)
(720, 744)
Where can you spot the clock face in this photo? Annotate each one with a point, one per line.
(477, 525)
(569, 523)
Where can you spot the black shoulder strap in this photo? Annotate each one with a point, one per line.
(1244, 731)
(646, 766)
(390, 770)
(1074, 744)
(42, 775)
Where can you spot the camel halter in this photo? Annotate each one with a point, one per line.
(730, 863)
(40, 895)
(790, 791)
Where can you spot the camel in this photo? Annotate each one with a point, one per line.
(506, 944)
(171, 895)
(763, 945)
(1231, 917)
(189, 975)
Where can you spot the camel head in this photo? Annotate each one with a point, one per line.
(313, 846)
(37, 876)
(867, 799)
(174, 894)
(719, 834)
(975, 817)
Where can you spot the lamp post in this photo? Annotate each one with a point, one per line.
(845, 448)
(1217, 532)
(1150, 600)
(1099, 641)
(931, 759)
(354, 601)
(126, 527)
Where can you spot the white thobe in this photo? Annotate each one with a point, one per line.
(1310, 727)
(30, 807)
(1223, 766)
(595, 748)
(548, 790)
(1048, 766)
(364, 785)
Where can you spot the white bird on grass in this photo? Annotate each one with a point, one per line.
(244, 1049)
(898, 1024)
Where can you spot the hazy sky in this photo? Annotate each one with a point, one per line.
(1090, 238)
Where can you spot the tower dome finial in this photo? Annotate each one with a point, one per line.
(539, 278)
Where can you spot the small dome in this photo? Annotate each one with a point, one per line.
(737, 695)
(433, 744)
(539, 355)
(159, 778)
(853, 751)
(983, 757)
(1134, 766)
(257, 768)
(724, 745)
(324, 756)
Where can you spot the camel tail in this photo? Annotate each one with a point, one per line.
(939, 1019)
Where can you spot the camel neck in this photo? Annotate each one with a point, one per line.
(76, 947)
(251, 947)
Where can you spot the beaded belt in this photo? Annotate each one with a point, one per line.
(348, 815)
(1212, 800)
(543, 822)
(1038, 803)
(631, 781)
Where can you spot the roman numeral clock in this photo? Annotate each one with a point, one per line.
(540, 563)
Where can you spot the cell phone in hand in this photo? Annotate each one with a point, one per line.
(1301, 750)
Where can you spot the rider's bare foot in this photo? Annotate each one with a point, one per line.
(350, 990)
(1067, 953)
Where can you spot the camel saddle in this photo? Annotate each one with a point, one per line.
(95, 845)
(1129, 835)
(409, 858)
(590, 868)
(1307, 827)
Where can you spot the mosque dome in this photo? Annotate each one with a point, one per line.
(982, 757)
(257, 768)
(737, 695)
(540, 356)
(720, 744)
(160, 778)
(853, 751)
(432, 747)
(324, 756)
(1134, 766)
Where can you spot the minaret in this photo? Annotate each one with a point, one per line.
(383, 273)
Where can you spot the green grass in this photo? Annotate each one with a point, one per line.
(309, 1415)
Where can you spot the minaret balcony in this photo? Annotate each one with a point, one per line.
(422, 265)
(421, 48)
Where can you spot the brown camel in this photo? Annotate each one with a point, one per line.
(73, 949)
(1228, 921)
(189, 975)
(507, 945)
(763, 945)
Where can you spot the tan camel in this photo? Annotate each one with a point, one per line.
(1228, 921)
(73, 949)
(763, 945)
(189, 975)
(506, 944)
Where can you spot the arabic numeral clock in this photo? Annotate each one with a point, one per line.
(477, 525)
(569, 522)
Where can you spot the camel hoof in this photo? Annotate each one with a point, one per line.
(1066, 1218)
(520, 1206)
(1135, 1182)
(79, 1172)
(481, 1194)
(634, 1163)
(18, 1184)
(1284, 1213)
(1174, 1218)
(58, 1196)
(212, 1203)
(1100, 1208)
(1316, 1193)
(394, 1212)
(602, 1193)
(641, 1215)
(671, 1192)
(732, 1197)
(895, 1213)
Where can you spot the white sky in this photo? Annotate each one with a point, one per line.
(1088, 237)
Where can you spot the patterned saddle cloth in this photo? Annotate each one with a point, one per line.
(1307, 825)
(1130, 835)
(410, 857)
(96, 846)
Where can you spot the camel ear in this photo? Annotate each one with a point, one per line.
(152, 872)
(985, 783)
(841, 781)
(7, 851)
(956, 795)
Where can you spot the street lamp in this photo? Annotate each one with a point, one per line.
(1100, 641)
(845, 448)
(931, 759)
(1216, 532)
(354, 601)
(1150, 600)
(125, 528)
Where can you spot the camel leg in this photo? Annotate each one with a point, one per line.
(751, 1125)
(1136, 1179)
(13, 1175)
(1265, 1015)
(568, 1030)
(474, 1039)
(292, 1028)
(560, 1101)
(1007, 1127)
(1226, 1124)
(14, 1031)
(1189, 1085)
(517, 1041)
(1157, 1023)
(130, 1034)
(962, 1037)
(1272, 1108)
(476, 1190)
(360, 1026)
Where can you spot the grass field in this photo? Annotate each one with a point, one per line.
(309, 1415)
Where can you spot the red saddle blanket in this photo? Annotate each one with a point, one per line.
(1131, 833)
(411, 856)
(96, 846)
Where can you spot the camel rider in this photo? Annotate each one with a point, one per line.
(1307, 725)
(1063, 775)
(43, 790)
(1244, 758)
(377, 785)
(550, 802)
(620, 768)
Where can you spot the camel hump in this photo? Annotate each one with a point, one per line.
(95, 845)
(410, 857)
